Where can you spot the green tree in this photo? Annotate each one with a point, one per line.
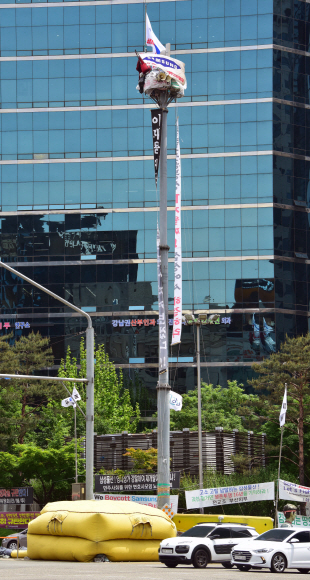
(220, 407)
(49, 471)
(114, 412)
(144, 460)
(21, 400)
(289, 366)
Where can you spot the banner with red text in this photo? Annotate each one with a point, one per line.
(177, 316)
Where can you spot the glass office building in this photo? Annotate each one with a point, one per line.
(78, 199)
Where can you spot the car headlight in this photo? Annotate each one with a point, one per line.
(263, 551)
(182, 549)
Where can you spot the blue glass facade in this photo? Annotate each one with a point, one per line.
(78, 199)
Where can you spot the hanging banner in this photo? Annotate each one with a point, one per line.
(293, 491)
(163, 350)
(171, 66)
(156, 133)
(177, 316)
(15, 520)
(228, 495)
(299, 521)
(150, 500)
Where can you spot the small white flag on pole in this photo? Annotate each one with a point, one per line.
(151, 38)
(68, 402)
(282, 416)
(175, 401)
(76, 395)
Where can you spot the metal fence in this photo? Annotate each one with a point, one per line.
(218, 447)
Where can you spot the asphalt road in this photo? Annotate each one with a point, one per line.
(35, 569)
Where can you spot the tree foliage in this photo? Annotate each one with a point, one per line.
(114, 412)
(49, 471)
(220, 407)
(290, 366)
(144, 460)
(22, 400)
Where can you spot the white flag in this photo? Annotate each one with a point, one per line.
(68, 402)
(175, 402)
(75, 395)
(151, 38)
(283, 409)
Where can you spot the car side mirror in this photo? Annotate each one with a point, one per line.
(294, 541)
(215, 537)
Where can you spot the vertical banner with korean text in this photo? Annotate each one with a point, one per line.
(156, 133)
(163, 360)
(177, 313)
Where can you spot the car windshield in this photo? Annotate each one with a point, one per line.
(275, 535)
(198, 531)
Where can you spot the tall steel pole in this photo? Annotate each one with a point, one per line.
(90, 378)
(163, 388)
(199, 412)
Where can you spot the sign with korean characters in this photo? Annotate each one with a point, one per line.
(16, 520)
(150, 500)
(293, 491)
(17, 495)
(299, 521)
(215, 496)
(132, 482)
(157, 115)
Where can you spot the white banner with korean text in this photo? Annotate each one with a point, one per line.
(299, 521)
(215, 496)
(293, 491)
(163, 351)
(177, 316)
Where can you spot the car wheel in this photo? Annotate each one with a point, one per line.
(12, 545)
(200, 558)
(303, 570)
(278, 563)
(170, 564)
(243, 567)
(227, 565)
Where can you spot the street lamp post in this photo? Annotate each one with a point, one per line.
(90, 378)
(197, 322)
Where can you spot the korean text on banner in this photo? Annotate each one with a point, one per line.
(163, 359)
(299, 521)
(292, 491)
(177, 314)
(156, 134)
(216, 496)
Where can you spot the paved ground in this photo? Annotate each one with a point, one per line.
(31, 570)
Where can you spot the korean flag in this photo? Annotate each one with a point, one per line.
(175, 402)
(282, 416)
(68, 402)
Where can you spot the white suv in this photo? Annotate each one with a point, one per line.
(204, 543)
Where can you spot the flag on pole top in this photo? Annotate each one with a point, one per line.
(76, 395)
(282, 416)
(151, 38)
